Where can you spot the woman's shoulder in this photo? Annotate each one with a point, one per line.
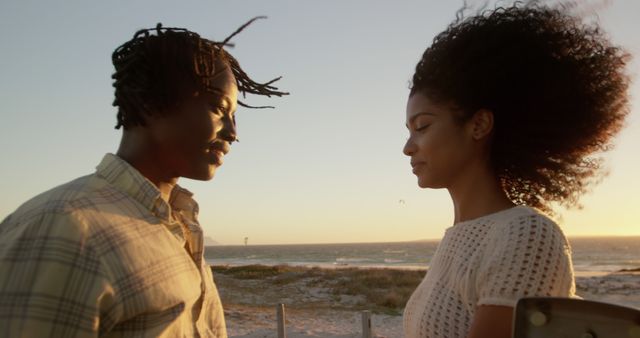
(527, 224)
(522, 216)
(516, 216)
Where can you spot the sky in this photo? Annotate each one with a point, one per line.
(325, 166)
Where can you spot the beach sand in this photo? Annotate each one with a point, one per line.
(329, 302)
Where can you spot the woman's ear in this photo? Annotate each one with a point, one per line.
(481, 124)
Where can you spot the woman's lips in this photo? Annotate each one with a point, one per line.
(416, 166)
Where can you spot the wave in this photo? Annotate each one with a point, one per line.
(392, 261)
(352, 260)
(397, 252)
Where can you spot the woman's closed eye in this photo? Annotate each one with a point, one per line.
(422, 127)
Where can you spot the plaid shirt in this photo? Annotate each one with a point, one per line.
(104, 255)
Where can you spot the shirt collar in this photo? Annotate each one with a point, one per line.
(127, 179)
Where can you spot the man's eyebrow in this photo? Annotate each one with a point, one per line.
(222, 96)
(219, 93)
(416, 115)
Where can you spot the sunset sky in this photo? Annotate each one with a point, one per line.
(326, 165)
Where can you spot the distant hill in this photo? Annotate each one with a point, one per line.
(208, 241)
(425, 240)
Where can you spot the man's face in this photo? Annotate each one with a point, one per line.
(193, 138)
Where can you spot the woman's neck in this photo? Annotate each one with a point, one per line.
(477, 194)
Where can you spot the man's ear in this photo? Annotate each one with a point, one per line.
(481, 124)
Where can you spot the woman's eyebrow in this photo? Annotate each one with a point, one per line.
(412, 118)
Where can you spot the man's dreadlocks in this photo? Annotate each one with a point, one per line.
(158, 68)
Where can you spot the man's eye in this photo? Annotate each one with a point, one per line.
(219, 110)
(422, 127)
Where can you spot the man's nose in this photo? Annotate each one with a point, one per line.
(228, 131)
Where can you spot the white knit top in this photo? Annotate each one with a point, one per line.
(492, 260)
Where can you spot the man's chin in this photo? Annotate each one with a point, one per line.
(202, 175)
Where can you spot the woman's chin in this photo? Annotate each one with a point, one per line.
(425, 183)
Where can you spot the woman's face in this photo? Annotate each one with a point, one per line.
(440, 147)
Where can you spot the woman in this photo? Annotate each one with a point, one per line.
(506, 110)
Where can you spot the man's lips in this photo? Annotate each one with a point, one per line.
(220, 147)
(218, 150)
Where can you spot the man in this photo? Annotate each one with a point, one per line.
(119, 253)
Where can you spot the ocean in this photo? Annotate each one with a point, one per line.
(591, 256)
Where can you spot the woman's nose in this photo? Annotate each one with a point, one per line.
(409, 147)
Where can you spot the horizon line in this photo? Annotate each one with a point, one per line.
(410, 241)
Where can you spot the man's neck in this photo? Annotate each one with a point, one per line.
(149, 165)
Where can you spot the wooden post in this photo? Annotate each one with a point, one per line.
(282, 332)
(366, 324)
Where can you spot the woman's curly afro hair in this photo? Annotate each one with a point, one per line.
(556, 86)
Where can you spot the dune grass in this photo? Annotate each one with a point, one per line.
(385, 290)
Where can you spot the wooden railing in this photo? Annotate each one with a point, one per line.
(282, 331)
